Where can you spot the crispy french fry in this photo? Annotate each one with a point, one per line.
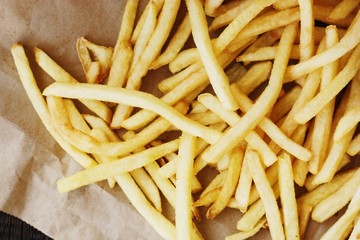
(230, 183)
(32, 90)
(346, 123)
(248, 122)
(287, 196)
(247, 234)
(306, 45)
(59, 74)
(268, 198)
(176, 43)
(354, 146)
(337, 230)
(343, 9)
(184, 174)
(217, 76)
(337, 200)
(346, 44)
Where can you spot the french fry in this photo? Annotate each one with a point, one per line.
(242, 193)
(96, 71)
(211, 6)
(338, 149)
(230, 183)
(247, 234)
(323, 16)
(232, 118)
(337, 230)
(354, 146)
(184, 174)
(184, 59)
(165, 22)
(284, 104)
(110, 169)
(127, 24)
(346, 44)
(346, 123)
(145, 34)
(267, 196)
(140, 24)
(257, 74)
(266, 53)
(208, 198)
(273, 131)
(124, 96)
(59, 74)
(337, 200)
(356, 231)
(247, 123)
(176, 43)
(121, 65)
(329, 92)
(217, 76)
(323, 119)
(287, 197)
(343, 9)
(28, 80)
(227, 16)
(306, 45)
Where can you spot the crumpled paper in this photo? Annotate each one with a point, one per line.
(31, 162)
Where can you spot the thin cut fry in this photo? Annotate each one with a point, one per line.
(337, 200)
(40, 106)
(354, 146)
(175, 45)
(346, 123)
(230, 183)
(267, 196)
(337, 230)
(343, 9)
(246, 235)
(306, 29)
(137, 99)
(110, 169)
(346, 44)
(248, 122)
(323, 120)
(184, 174)
(232, 118)
(217, 76)
(59, 74)
(127, 24)
(287, 196)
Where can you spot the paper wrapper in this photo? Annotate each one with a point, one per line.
(31, 162)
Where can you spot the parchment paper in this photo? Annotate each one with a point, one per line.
(31, 162)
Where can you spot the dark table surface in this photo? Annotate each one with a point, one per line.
(13, 228)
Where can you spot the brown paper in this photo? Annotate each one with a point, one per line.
(31, 162)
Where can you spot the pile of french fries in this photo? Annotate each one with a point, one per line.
(281, 114)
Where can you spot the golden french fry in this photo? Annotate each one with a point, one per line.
(176, 43)
(257, 74)
(230, 183)
(40, 106)
(242, 193)
(137, 99)
(120, 65)
(184, 173)
(337, 200)
(287, 197)
(354, 146)
(266, 53)
(337, 230)
(306, 29)
(145, 34)
(284, 104)
(346, 44)
(217, 76)
(127, 24)
(247, 234)
(232, 118)
(211, 6)
(346, 123)
(248, 122)
(59, 74)
(343, 9)
(267, 196)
